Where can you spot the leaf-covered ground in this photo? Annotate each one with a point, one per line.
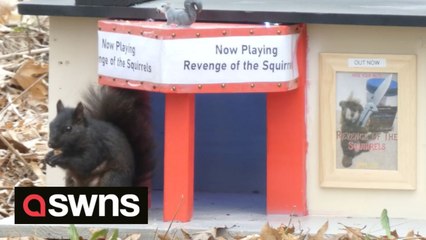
(265, 232)
(24, 46)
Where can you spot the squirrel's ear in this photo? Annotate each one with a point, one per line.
(78, 115)
(59, 106)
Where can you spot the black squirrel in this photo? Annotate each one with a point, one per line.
(105, 142)
(181, 17)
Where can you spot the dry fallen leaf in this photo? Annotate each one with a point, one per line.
(6, 9)
(203, 236)
(134, 236)
(354, 233)
(28, 73)
(286, 230)
(287, 233)
(321, 232)
(269, 233)
(394, 233)
(221, 232)
(186, 234)
(14, 142)
(410, 234)
(163, 237)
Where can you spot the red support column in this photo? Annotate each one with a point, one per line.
(179, 157)
(286, 145)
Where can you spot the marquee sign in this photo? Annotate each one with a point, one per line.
(229, 57)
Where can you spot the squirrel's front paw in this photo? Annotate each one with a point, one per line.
(52, 158)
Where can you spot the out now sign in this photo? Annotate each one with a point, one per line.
(198, 60)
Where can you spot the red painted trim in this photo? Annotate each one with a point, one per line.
(158, 30)
(202, 88)
(179, 157)
(286, 145)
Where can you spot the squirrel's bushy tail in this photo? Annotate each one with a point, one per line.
(128, 110)
(193, 7)
(197, 5)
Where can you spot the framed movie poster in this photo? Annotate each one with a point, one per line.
(368, 121)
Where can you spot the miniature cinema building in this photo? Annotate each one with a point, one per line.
(281, 142)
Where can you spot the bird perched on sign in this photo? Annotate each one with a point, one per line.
(181, 17)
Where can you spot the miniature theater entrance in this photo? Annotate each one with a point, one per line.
(230, 152)
(276, 69)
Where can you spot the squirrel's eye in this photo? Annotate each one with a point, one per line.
(68, 128)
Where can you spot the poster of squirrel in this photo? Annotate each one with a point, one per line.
(181, 17)
(372, 145)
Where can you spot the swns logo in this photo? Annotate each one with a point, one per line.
(81, 205)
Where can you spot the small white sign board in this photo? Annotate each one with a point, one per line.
(229, 59)
(367, 62)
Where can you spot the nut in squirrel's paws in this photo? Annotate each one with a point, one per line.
(53, 157)
(56, 152)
